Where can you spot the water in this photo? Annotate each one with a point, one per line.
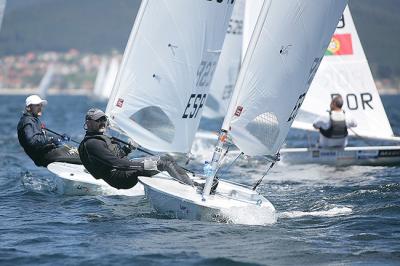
(326, 215)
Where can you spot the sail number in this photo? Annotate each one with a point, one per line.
(195, 103)
(205, 72)
(235, 27)
(356, 102)
(341, 23)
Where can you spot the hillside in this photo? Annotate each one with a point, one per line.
(103, 25)
(59, 25)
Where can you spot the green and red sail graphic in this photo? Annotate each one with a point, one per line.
(340, 44)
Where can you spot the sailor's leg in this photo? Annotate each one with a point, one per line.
(62, 154)
(122, 179)
(174, 170)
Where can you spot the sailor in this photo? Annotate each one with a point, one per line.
(333, 129)
(40, 147)
(105, 158)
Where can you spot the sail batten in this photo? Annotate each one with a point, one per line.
(284, 52)
(166, 71)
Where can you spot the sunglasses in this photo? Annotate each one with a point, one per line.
(101, 119)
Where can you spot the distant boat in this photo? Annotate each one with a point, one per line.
(100, 77)
(345, 71)
(110, 78)
(105, 79)
(2, 9)
(46, 81)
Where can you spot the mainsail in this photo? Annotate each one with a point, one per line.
(109, 79)
(228, 66)
(46, 81)
(166, 71)
(100, 79)
(345, 71)
(287, 45)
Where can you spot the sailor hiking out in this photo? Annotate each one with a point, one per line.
(334, 128)
(105, 157)
(39, 146)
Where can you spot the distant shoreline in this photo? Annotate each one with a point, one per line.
(83, 92)
(77, 92)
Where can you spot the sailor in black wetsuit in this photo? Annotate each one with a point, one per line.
(106, 159)
(40, 147)
(333, 129)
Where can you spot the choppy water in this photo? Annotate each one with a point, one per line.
(325, 215)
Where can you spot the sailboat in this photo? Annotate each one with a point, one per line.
(2, 9)
(100, 78)
(110, 78)
(165, 74)
(105, 78)
(285, 50)
(46, 81)
(345, 71)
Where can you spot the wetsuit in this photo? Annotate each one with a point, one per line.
(41, 148)
(105, 159)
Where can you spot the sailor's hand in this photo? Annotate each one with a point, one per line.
(58, 142)
(151, 163)
(65, 137)
(55, 141)
(127, 149)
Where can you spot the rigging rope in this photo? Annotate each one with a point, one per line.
(273, 160)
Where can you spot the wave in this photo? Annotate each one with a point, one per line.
(335, 211)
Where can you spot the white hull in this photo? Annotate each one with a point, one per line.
(230, 203)
(77, 181)
(373, 155)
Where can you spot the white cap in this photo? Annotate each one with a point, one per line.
(34, 99)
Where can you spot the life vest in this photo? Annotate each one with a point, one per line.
(104, 138)
(97, 169)
(337, 129)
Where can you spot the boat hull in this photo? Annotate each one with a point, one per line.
(76, 181)
(230, 203)
(373, 156)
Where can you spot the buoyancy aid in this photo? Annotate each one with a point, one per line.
(338, 127)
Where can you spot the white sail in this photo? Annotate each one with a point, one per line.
(345, 71)
(109, 79)
(100, 78)
(2, 9)
(285, 50)
(228, 66)
(251, 13)
(46, 81)
(166, 71)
